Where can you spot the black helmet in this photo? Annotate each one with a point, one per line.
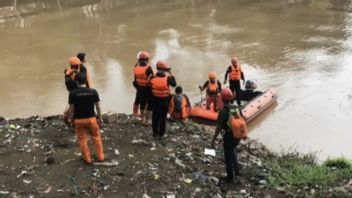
(251, 85)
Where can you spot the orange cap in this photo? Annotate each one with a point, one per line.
(143, 55)
(74, 61)
(212, 75)
(162, 65)
(226, 94)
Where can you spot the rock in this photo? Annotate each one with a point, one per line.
(213, 179)
(3, 121)
(50, 160)
(130, 194)
(2, 192)
(110, 117)
(243, 191)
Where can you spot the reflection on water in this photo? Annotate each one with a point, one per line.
(300, 47)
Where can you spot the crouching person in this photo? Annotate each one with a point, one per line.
(81, 113)
(180, 107)
(234, 129)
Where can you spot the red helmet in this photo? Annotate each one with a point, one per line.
(162, 65)
(212, 75)
(226, 94)
(143, 55)
(74, 61)
(234, 60)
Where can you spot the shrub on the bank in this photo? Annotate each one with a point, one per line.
(339, 163)
(302, 171)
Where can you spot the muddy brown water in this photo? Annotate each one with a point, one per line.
(302, 48)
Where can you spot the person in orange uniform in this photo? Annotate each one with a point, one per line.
(75, 67)
(81, 113)
(235, 73)
(142, 74)
(161, 97)
(234, 129)
(180, 107)
(213, 87)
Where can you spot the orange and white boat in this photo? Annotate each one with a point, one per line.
(249, 110)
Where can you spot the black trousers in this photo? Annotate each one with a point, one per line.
(142, 97)
(160, 107)
(230, 144)
(235, 86)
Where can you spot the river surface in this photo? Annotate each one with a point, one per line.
(302, 48)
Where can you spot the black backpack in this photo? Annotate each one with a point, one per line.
(178, 103)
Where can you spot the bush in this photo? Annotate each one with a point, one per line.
(302, 171)
(340, 163)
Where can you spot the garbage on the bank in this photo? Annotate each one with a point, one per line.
(210, 152)
(108, 164)
(187, 181)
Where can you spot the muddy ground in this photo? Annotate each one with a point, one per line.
(40, 157)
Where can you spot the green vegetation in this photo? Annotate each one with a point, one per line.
(302, 172)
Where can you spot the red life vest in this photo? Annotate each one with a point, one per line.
(160, 87)
(235, 73)
(140, 75)
(212, 87)
(179, 110)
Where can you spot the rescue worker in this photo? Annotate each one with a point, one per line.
(180, 107)
(82, 57)
(81, 113)
(213, 87)
(234, 129)
(161, 97)
(75, 67)
(142, 74)
(249, 93)
(235, 73)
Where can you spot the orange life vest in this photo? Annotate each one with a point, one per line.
(213, 87)
(238, 127)
(179, 114)
(235, 73)
(140, 74)
(160, 87)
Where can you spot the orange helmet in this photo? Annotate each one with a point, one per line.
(226, 94)
(143, 55)
(74, 61)
(234, 60)
(212, 75)
(162, 65)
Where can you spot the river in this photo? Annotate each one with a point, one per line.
(302, 48)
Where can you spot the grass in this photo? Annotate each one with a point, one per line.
(302, 171)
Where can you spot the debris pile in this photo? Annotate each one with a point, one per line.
(41, 157)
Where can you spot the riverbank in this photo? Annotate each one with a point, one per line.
(40, 157)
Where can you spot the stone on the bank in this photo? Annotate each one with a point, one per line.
(110, 117)
(2, 121)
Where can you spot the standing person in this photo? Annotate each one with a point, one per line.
(234, 127)
(213, 87)
(142, 74)
(236, 74)
(75, 67)
(82, 57)
(81, 113)
(180, 107)
(161, 97)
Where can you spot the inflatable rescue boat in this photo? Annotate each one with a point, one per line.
(250, 109)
